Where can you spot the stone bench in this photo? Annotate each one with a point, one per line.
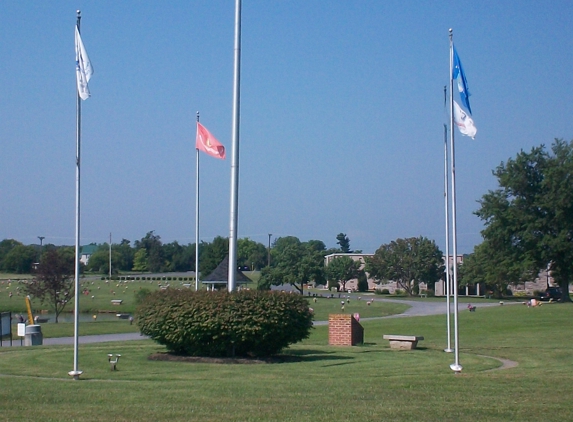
(403, 342)
(116, 301)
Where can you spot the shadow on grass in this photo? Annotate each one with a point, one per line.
(309, 355)
(290, 357)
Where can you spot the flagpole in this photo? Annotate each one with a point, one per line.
(110, 257)
(235, 155)
(76, 372)
(456, 367)
(197, 213)
(449, 348)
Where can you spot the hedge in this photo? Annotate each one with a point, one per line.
(217, 324)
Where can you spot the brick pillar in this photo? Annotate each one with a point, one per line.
(344, 330)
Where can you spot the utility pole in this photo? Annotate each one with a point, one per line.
(269, 251)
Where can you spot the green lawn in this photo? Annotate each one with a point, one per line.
(363, 383)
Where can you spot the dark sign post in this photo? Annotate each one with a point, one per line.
(5, 326)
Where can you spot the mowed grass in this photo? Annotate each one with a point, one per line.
(325, 383)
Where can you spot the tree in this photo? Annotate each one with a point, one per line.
(140, 260)
(99, 260)
(54, 282)
(407, 262)
(344, 242)
(20, 259)
(362, 282)
(5, 247)
(211, 254)
(153, 246)
(493, 267)
(341, 270)
(125, 255)
(532, 210)
(179, 257)
(251, 253)
(295, 263)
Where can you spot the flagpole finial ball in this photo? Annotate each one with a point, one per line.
(451, 30)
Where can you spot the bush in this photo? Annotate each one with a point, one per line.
(141, 294)
(244, 323)
(382, 291)
(430, 293)
(362, 282)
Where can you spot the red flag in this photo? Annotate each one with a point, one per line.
(208, 144)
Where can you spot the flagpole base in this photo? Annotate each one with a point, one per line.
(75, 374)
(448, 350)
(456, 367)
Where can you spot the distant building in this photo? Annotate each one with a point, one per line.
(353, 284)
(440, 286)
(87, 251)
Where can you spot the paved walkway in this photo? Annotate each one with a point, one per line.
(417, 308)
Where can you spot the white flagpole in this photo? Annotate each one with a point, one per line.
(76, 372)
(197, 213)
(456, 365)
(235, 156)
(110, 257)
(446, 198)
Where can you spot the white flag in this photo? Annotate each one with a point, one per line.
(464, 122)
(84, 69)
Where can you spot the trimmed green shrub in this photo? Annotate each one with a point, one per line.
(244, 323)
(362, 284)
(141, 294)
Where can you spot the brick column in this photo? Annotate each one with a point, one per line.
(344, 330)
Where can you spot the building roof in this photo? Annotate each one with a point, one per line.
(89, 249)
(220, 275)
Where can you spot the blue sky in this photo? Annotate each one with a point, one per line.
(342, 115)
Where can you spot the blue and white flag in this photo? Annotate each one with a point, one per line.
(84, 69)
(458, 73)
(464, 122)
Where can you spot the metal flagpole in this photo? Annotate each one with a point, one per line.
(456, 365)
(197, 212)
(448, 281)
(76, 372)
(110, 257)
(235, 155)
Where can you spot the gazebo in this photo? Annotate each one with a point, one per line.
(219, 277)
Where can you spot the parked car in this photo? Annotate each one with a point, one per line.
(552, 293)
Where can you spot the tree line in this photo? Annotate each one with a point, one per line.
(150, 254)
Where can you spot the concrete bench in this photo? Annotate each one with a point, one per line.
(403, 342)
(116, 301)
